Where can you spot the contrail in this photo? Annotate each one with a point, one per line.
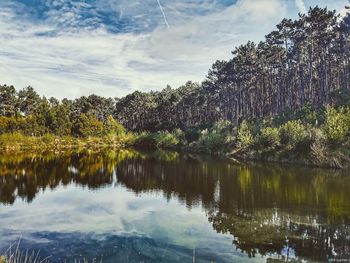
(164, 16)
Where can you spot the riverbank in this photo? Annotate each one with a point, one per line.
(311, 153)
(334, 160)
(15, 142)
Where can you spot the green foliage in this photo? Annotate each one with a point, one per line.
(292, 133)
(340, 97)
(192, 134)
(113, 127)
(269, 137)
(3, 259)
(215, 142)
(244, 135)
(217, 139)
(146, 140)
(337, 124)
(165, 139)
(306, 114)
(48, 138)
(222, 126)
(88, 125)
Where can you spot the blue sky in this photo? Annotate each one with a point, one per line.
(69, 48)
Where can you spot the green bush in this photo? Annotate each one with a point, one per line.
(146, 140)
(337, 124)
(269, 137)
(88, 125)
(192, 134)
(221, 126)
(165, 139)
(292, 133)
(215, 142)
(113, 127)
(244, 135)
(318, 146)
(180, 135)
(48, 138)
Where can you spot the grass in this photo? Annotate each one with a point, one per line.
(19, 256)
(12, 142)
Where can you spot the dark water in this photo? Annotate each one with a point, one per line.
(129, 206)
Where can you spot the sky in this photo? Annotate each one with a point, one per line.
(71, 48)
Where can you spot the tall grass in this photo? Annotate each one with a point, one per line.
(16, 255)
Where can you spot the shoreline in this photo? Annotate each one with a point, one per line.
(17, 142)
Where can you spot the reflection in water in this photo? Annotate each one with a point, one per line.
(283, 212)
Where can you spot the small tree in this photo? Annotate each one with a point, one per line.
(244, 135)
(269, 137)
(337, 124)
(292, 133)
(113, 127)
(88, 125)
(166, 139)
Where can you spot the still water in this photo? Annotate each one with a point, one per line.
(130, 206)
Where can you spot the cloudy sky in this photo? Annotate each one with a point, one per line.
(69, 48)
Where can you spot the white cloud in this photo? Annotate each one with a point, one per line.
(68, 55)
(301, 6)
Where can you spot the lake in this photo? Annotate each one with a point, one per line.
(131, 206)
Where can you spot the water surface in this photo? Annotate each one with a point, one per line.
(129, 206)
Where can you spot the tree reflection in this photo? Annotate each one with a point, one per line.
(270, 210)
(24, 175)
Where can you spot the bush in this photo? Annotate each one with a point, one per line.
(215, 142)
(269, 137)
(180, 135)
(292, 133)
(192, 134)
(146, 140)
(318, 146)
(88, 125)
(244, 135)
(165, 139)
(222, 126)
(337, 124)
(113, 127)
(48, 138)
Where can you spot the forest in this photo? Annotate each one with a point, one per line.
(284, 98)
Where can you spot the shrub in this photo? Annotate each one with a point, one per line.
(180, 135)
(192, 134)
(292, 133)
(318, 146)
(146, 140)
(244, 135)
(269, 137)
(215, 142)
(337, 124)
(113, 127)
(165, 139)
(88, 125)
(47, 138)
(222, 126)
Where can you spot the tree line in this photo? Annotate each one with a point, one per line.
(27, 112)
(287, 97)
(303, 62)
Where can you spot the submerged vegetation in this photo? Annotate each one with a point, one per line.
(284, 99)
